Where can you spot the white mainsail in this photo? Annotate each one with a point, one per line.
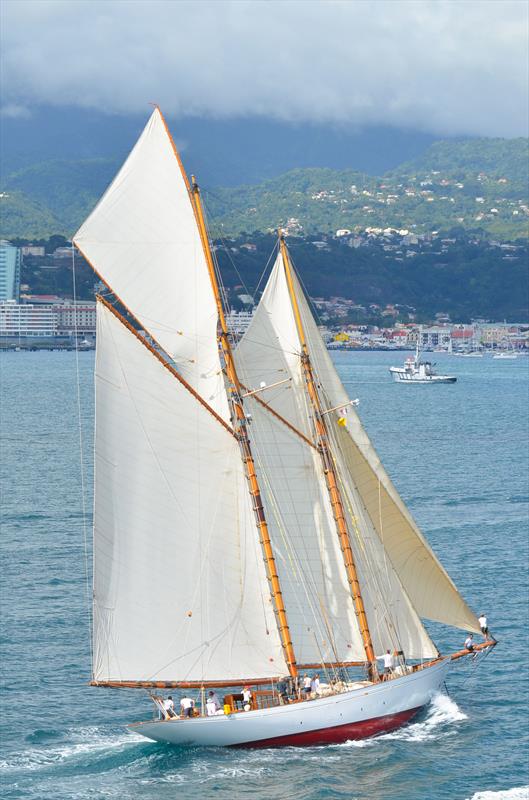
(143, 241)
(180, 590)
(308, 557)
(396, 568)
(322, 620)
(427, 584)
(432, 593)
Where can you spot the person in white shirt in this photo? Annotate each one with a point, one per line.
(389, 663)
(484, 626)
(469, 642)
(306, 685)
(187, 704)
(246, 694)
(212, 704)
(247, 698)
(315, 684)
(168, 707)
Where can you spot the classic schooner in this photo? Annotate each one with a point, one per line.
(245, 530)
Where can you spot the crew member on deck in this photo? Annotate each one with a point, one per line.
(187, 705)
(168, 707)
(212, 704)
(247, 698)
(484, 626)
(389, 663)
(306, 685)
(469, 643)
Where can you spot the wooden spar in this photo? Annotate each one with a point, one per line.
(244, 442)
(267, 681)
(162, 361)
(184, 684)
(332, 664)
(330, 474)
(280, 418)
(477, 648)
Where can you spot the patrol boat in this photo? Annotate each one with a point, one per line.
(245, 530)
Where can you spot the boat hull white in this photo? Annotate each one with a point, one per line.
(358, 714)
(403, 376)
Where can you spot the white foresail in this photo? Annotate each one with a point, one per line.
(180, 591)
(321, 616)
(432, 593)
(143, 241)
(313, 576)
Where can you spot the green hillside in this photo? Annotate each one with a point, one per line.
(473, 185)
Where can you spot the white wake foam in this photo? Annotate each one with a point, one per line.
(81, 741)
(442, 712)
(518, 793)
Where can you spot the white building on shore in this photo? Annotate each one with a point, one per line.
(26, 321)
(46, 320)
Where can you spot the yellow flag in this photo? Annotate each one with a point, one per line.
(342, 421)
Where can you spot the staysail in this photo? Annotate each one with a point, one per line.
(180, 590)
(143, 241)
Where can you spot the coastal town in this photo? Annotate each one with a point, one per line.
(32, 319)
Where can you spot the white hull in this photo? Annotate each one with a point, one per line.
(356, 714)
(404, 376)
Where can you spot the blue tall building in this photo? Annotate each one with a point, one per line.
(10, 261)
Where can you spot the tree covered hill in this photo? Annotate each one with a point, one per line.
(465, 278)
(473, 185)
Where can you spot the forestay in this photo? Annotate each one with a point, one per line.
(142, 239)
(427, 584)
(180, 587)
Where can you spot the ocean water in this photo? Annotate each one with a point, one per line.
(458, 455)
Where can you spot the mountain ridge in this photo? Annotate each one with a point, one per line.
(478, 184)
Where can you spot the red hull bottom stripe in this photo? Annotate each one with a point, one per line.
(339, 733)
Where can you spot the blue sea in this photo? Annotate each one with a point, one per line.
(459, 456)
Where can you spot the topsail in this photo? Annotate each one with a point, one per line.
(143, 241)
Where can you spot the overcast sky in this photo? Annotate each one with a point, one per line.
(437, 65)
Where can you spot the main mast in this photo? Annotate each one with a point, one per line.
(244, 441)
(329, 470)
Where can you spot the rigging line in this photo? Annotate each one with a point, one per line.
(263, 273)
(222, 288)
(309, 299)
(366, 545)
(309, 587)
(372, 578)
(289, 547)
(224, 242)
(285, 422)
(81, 461)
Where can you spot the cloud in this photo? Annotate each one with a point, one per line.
(438, 65)
(14, 111)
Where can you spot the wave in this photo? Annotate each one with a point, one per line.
(518, 793)
(441, 713)
(78, 742)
